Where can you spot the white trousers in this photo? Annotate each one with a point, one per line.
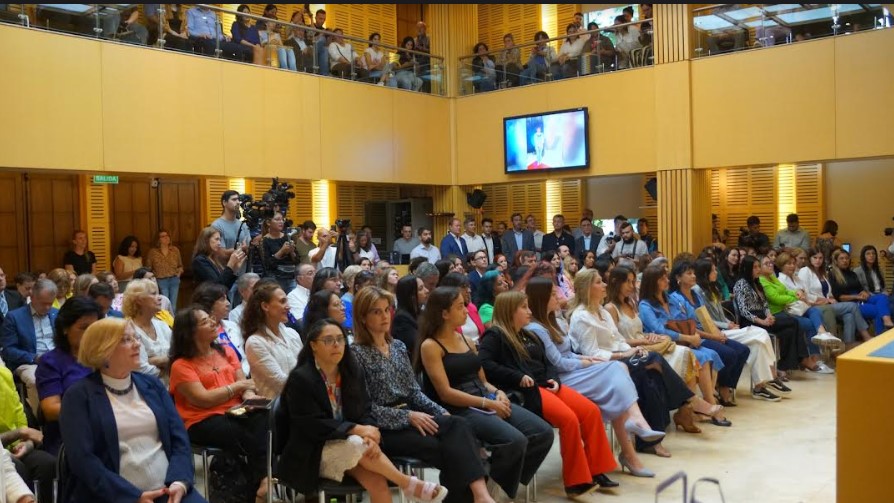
(761, 355)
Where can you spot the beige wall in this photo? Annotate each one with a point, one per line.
(858, 196)
(608, 196)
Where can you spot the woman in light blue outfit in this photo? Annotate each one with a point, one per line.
(607, 383)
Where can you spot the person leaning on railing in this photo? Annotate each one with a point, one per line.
(406, 66)
(570, 52)
(484, 68)
(627, 38)
(509, 65)
(343, 60)
(247, 36)
(301, 41)
(271, 39)
(600, 50)
(205, 33)
(542, 57)
(375, 61)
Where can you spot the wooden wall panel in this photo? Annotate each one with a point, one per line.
(99, 233)
(496, 20)
(53, 214)
(360, 20)
(521, 197)
(684, 210)
(672, 32)
(13, 252)
(133, 209)
(178, 213)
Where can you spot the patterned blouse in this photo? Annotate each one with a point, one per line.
(392, 386)
(750, 303)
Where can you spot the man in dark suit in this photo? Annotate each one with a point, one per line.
(516, 239)
(492, 242)
(9, 299)
(27, 334)
(453, 243)
(558, 237)
(588, 240)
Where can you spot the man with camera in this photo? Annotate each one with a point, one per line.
(752, 237)
(629, 246)
(607, 245)
(232, 229)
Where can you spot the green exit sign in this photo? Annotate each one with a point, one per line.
(105, 179)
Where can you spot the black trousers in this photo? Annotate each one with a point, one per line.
(659, 393)
(454, 451)
(38, 466)
(244, 436)
(792, 342)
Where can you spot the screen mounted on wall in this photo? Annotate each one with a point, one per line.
(547, 141)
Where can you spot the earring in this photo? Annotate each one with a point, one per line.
(106, 364)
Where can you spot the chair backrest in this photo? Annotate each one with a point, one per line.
(278, 422)
(62, 474)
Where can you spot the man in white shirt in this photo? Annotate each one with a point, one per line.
(425, 248)
(406, 242)
(531, 223)
(587, 214)
(629, 246)
(474, 242)
(323, 255)
(607, 245)
(298, 297)
(492, 243)
(246, 285)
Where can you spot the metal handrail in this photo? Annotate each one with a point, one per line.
(316, 30)
(614, 27)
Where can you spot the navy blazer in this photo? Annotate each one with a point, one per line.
(17, 338)
(90, 437)
(449, 247)
(581, 250)
(510, 248)
(203, 270)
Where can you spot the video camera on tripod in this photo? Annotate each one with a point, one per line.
(276, 199)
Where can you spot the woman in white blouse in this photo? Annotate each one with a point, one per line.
(13, 487)
(271, 347)
(123, 438)
(375, 61)
(813, 280)
(141, 303)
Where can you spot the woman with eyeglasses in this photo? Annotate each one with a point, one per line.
(411, 423)
(122, 435)
(207, 381)
(515, 359)
(212, 298)
(815, 281)
(332, 427)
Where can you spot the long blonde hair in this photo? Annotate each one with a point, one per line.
(505, 306)
(582, 281)
(836, 271)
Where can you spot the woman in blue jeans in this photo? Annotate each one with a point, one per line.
(453, 377)
(167, 265)
(683, 303)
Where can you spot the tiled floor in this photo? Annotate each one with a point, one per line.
(774, 453)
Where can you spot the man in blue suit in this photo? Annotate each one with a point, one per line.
(27, 334)
(516, 239)
(453, 243)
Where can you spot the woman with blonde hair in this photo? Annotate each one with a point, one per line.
(387, 279)
(515, 359)
(141, 303)
(122, 435)
(63, 282)
(82, 284)
(270, 346)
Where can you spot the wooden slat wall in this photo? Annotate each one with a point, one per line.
(523, 197)
(361, 20)
(684, 210)
(461, 22)
(496, 20)
(771, 193)
(13, 252)
(672, 32)
(98, 226)
(351, 200)
(565, 197)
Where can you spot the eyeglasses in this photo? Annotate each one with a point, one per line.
(129, 340)
(332, 341)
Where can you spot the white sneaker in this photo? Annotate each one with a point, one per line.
(825, 338)
(381, 83)
(822, 368)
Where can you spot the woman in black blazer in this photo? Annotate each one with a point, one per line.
(411, 295)
(331, 428)
(204, 265)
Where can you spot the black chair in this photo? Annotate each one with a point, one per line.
(62, 475)
(205, 452)
(277, 437)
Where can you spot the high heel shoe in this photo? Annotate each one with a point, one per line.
(683, 419)
(704, 408)
(643, 433)
(642, 472)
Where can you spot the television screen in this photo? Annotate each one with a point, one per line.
(552, 140)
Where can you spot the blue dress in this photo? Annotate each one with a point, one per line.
(606, 383)
(655, 320)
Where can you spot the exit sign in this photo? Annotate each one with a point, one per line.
(105, 179)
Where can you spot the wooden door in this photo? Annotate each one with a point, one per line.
(179, 213)
(133, 209)
(13, 251)
(53, 202)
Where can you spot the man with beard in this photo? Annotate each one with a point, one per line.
(630, 246)
(425, 248)
(304, 241)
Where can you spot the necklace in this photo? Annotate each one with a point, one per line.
(119, 392)
(211, 362)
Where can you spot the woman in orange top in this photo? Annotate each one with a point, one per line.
(207, 380)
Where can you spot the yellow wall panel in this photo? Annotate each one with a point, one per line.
(421, 154)
(766, 106)
(52, 111)
(622, 131)
(357, 128)
(161, 112)
(673, 133)
(243, 120)
(864, 76)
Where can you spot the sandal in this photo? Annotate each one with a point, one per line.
(427, 493)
